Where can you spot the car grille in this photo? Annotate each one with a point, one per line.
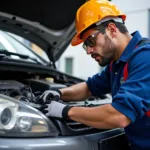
(76, 126)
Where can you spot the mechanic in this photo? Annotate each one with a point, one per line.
(101, 27)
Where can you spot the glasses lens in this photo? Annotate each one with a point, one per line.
(84, 46)
(90, 41)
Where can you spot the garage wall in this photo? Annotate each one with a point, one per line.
(137, 12)
(138, 18)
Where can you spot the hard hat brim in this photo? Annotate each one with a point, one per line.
(76, 40)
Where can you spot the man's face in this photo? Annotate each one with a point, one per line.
(103, 50)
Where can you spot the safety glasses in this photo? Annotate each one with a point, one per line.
(91, 40)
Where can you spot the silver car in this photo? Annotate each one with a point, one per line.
(33, 35)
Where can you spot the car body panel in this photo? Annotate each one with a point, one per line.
(84, 142)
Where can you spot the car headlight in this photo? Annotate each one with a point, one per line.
(20, 120)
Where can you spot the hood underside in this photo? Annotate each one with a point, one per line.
(47, 23)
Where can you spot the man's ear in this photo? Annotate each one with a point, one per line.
(112, 29)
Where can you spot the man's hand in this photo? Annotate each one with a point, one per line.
(49, 95)
(56, 109)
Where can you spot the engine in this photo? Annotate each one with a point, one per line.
(27, 90)
(15, 89)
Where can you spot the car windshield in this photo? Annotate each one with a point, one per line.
(16, 44)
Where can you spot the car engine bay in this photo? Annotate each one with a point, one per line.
(28, 91)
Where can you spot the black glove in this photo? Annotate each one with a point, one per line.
(56, 109)
(48, 96)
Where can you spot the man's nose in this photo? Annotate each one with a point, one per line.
(89, 50)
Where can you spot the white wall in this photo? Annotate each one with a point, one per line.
(137, 14)
(137, 19)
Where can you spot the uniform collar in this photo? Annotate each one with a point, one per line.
(136, 37)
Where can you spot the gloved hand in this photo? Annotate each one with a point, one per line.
(49, 95)
(56, 109)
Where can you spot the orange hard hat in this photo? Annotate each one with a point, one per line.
(92, 12)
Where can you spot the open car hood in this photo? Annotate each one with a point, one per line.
(47, 23)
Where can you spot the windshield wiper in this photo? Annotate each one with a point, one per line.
(7, 53)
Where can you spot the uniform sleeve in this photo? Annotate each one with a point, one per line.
(133, 97)
(99, 84)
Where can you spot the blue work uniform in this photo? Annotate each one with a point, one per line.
(132, 97)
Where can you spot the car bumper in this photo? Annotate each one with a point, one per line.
(84, 142)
